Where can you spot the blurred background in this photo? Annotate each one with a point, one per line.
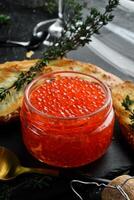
(113, 48)
(115, 44)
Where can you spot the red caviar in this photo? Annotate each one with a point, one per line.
(68, 97)
(67, 120)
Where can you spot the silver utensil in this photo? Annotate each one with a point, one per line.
(57, 28)
(39, 37)
(46, 23)
(33, 43)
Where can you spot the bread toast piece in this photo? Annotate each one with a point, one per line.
(119, 93)
(9, 71)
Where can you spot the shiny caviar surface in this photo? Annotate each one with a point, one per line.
(67, 119)
(68, 97)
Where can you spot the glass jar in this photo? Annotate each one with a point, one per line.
(66, 141)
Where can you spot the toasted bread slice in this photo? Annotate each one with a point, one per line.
(119, 93)
(9, 71)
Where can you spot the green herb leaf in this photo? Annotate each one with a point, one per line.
(131, 116)
(4, 19)
(127, 102)
(3, 93)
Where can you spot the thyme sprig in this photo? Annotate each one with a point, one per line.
(77, 32)
(126, 103)
(26, 77)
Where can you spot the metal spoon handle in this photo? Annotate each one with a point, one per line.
(14, 43)
(17, 42)
(42, 23)
(45, 171)
(60, 8)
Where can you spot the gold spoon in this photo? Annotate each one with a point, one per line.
(10, 166)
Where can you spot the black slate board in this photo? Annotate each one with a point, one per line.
(117, 160)
(119, 157)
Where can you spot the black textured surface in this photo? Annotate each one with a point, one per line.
(118, 159)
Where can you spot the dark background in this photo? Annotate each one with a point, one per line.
(119, 157)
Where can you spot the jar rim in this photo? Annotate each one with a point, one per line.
(43, 114)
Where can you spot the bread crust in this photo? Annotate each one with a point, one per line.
(9, 71)
(119, 93)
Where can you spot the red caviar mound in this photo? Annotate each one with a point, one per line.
(68, 97)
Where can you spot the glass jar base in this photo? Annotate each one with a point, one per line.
(66, 165)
